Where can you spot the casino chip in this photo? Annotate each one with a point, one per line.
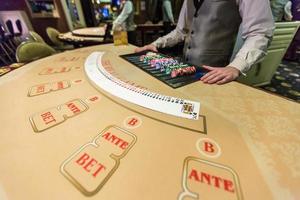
(169, 66)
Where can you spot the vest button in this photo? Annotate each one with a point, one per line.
(192, 32)
(189, 47)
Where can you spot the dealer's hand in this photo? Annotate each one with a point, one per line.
(220, 75)
(149, 47)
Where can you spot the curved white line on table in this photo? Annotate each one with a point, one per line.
(154, 101)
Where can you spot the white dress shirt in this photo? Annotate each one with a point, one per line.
(257, 30)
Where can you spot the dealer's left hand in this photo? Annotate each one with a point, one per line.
(220, 75)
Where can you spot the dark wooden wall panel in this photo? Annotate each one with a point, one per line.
(39, 24)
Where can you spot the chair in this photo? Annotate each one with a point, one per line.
(19, 27)
(3, 61)
(10, 27)
(30, 51)
(12, 35)
(19, 34)
(34, 36)
(8, 52)
(262, 73)
(53, 36)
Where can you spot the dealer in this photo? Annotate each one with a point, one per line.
(209, 29)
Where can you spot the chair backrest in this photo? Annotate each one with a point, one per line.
(10, 27)
(19, 26)
(36, 37)
(30, 51)
(53, 36)
(2, 32)
(262, 73)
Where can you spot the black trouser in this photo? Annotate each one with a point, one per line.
(167, 27)
(132, 37)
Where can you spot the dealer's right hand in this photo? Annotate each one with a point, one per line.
(149, 47)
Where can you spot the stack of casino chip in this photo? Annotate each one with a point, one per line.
(158, 62)
(169, 66)
(150, 56)
(183, 71)
(164, 63)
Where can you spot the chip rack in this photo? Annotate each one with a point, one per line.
(176, 82)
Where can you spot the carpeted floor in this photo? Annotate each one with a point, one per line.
(286, 81)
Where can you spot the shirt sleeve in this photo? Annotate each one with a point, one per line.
(257, 31)
(128, 8)
(168, 8)
(178, 34)
(288, 11)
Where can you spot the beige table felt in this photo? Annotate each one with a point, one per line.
(62, 137)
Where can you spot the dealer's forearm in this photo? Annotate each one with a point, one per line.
(253, 51)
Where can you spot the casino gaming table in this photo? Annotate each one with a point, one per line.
(87, 124)
(85, 36)
(90, 31)
(80, 40)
